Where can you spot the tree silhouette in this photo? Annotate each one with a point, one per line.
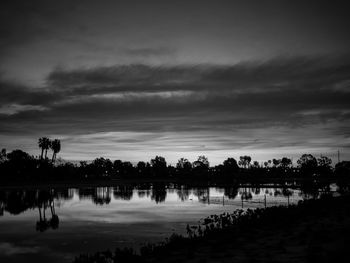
(256, 164)
(307, 163)
(230, 166)
(342, 169)
(183, 167)
(286, 162)
(48, 145)
(202, 161)
(200, 168)
(183, 163)
(276, 162)
(324, 166)
(141, 169)
(118, 167)
(324, 161)
(20, 165)
(101, 167)
(44, 143)
(244, 161)
(20, 162)
(3, 155)
(56, 148)
(159, 166)
(41, 145)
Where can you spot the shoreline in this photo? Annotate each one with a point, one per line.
(269, 182)
(312, 231)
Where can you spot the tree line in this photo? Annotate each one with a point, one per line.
(19, 164)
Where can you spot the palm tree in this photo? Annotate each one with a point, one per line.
(41, 146)
(47, 146)
(44, 144)
(56, 148)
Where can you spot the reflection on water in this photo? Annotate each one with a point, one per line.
(56, 224)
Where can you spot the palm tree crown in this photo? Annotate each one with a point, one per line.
(56, 148)
(44, 143)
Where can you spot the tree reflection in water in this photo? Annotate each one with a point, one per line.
(159, 192)
(231, 192)
(18, 201)
(123, 192)
(46, 201)
(183, 192)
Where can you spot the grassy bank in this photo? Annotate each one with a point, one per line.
(313, 231)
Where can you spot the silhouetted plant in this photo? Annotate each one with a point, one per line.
(17, 168)
(307, 164)
(159, 166)
(230, 166)
(286, 162)
(202, 161)
(44, 143)
(342, 170)
(3, 155)
(56, 148)
(324, 166)
(244, 161)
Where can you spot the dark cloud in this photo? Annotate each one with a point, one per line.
(22, 22)
(14, 93)
(281, 92)
(187, 67)
(150, 51)
(280, 73)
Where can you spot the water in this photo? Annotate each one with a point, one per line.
(54, 225)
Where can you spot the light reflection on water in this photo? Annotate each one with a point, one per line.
(57, 224)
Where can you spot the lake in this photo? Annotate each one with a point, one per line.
(54, 225)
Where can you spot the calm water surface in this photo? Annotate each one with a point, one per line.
(54, 225)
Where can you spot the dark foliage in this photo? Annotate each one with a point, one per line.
(18, 166)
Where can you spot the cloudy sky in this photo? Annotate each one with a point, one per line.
(133, 79)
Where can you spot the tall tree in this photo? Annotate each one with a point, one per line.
(56, 148)
(44, 144)
(47, 146)
(41, 146)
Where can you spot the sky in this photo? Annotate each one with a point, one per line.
(133, 79)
